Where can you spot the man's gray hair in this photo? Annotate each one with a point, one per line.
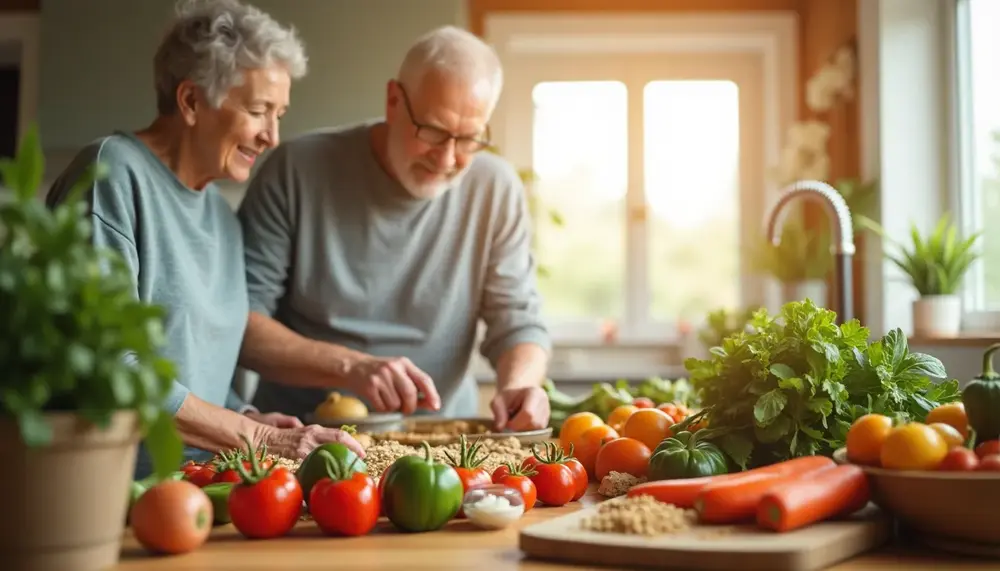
(212, 42)
(456, 53)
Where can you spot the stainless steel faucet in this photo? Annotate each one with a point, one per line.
(843, 234)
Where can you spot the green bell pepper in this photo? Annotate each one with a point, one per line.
(421, 494)
(687, 454)
(218, 492)
(981, 398)
(313, 467)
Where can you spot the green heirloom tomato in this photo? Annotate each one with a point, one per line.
(421, 494)
(981, 398)
(313, 467)
(684, 455)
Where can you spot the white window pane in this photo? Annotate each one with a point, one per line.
(985, 80)
(692, 192)
(580, 148)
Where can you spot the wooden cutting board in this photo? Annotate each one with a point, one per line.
(743, 547)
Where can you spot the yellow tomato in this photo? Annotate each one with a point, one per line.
(575, 425)
(649, 426)
(913, 446)
(952, 414)
(621, 414)
(952, 437)
(865, 438)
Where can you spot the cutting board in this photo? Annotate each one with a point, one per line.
(744, 547)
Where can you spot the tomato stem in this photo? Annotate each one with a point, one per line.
(553, 453)
(467, 454)
(256, 472)
(517, 470)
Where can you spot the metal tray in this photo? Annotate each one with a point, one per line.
(417, 423)
(374, 422)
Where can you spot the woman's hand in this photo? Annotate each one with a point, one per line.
(296, 443)
(275, 419)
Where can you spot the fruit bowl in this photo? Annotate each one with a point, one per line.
(947, 508)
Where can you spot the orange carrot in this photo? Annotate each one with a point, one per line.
(683, 492)
(839, 491)
(736, 500)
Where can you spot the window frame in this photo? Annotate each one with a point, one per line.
(964, 198)
(772, 37)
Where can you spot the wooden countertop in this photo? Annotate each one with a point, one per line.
(460, 545)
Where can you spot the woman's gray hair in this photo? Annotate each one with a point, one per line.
(212, 42)
(456, 52)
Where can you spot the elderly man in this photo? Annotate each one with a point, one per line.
(373, 251)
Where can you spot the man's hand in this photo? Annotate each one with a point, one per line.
(275, 419)
(392, 383)
(520, 409)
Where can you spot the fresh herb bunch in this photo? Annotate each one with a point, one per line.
(791, 386)
(722, 323)
(73, 337)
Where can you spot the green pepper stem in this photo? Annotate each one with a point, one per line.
(427, 452)
(988, 372)
(333, 467)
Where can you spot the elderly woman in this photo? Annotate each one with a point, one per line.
(223, 75)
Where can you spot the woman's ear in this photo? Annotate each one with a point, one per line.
(187, 101)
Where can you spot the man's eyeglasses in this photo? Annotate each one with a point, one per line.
(436, 136)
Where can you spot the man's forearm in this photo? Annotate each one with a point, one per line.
(277, 352)
(214, 428)
(523, 365)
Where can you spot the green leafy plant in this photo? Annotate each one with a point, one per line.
(934, 264)
(803, 254)
(792, 385)
(73, 338)
(722, 323)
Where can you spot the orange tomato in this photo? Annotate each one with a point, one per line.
(952, 414)
(621, 414)
(952, 437)
(575, 425)
(618, 427)
(588, 444)
(865, 438)
(172, 517)
(913, 446)
(672, 410)
(649, 426)
(643, 402)
(626, 455)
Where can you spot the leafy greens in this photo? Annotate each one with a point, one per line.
(792, 385)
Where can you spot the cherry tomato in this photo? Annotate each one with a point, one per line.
(621, 413)
(466, 464)
(671, 409)
(345, 507)
(519, 479)
(228, 476)
(575, 425)
(649, 426)
(172, 517)
(267, 503)
(989, 463)
(865, 438)
(580, 476)
(190, 467)
(643, 402)
(959, 460)
(554, 480)
(988, 448)
(202, 477)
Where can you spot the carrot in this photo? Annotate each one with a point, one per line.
(839, 491)
(683, 492)
(736, 500)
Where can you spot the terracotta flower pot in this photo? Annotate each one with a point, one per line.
(65, 503)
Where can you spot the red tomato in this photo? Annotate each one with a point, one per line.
(345, 507)
(190, 468)
(989, 463)
(500, 473)
(471, 478)
(202, 477)
(959, 460)
(988, 448)
(579, 475)
(529, 463)
(267, 504)
(555, 484)
(522, 484)
(643, 402)
(228, 476)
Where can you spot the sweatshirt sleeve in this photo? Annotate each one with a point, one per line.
(265, 215)
(511, 303)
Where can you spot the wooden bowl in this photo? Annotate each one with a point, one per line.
(948, 506)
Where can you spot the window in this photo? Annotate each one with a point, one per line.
(978, 75)
(637, 253)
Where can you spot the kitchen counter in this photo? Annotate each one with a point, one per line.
(459, 546)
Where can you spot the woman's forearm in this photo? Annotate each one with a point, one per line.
(214, 428)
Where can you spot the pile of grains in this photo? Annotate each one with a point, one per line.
(618, 484)
(381, 455)
(640, 515)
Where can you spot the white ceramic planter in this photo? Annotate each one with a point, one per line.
(937, 316)
(809, 289)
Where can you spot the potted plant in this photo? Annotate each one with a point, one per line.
(82, 380)
(935, 266)
(800, 263)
